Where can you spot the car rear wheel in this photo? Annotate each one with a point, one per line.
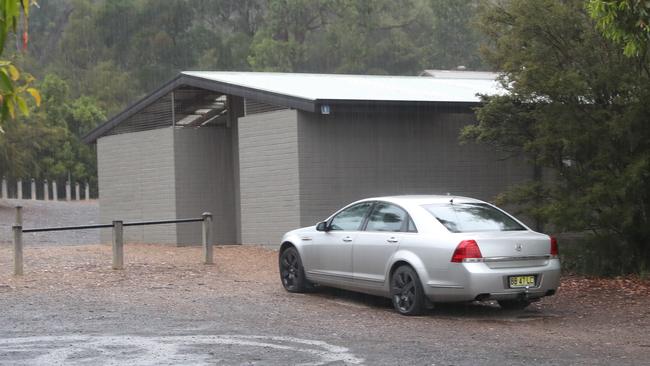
(292, 274)
(406, 291)
(513, 304)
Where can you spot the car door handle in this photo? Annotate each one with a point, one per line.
(347, 239)
(392, 240)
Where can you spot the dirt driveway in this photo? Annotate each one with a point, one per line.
(164, 308)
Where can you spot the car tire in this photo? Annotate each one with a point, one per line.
(292, 274)
(406, 291)
(513, 304)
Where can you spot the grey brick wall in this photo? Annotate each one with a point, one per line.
(345, 157)
(268, 176)
(204, 182)
(136, 182)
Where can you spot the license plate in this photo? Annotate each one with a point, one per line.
(521, 281)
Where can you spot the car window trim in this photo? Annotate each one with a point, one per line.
(364, 224)
(415, 227)
(402, 229)
(363, 220)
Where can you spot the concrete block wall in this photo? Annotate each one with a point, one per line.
(205, 182)
(349, 156)
(275, 171)
(268, 176)
(136, 182)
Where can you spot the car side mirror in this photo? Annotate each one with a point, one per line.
(322, 226)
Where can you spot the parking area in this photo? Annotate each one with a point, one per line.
(166, 308)
(48, 214)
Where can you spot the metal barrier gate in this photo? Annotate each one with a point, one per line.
(118, 236)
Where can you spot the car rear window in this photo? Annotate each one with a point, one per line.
(472, 217)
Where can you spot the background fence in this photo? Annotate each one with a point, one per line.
(44, 190)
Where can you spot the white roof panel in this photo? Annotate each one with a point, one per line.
(459, 74)
(358, 87)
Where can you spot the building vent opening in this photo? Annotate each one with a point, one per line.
(183, 107)
(254, 107)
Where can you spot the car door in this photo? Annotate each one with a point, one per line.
(330, 252)
(376, 244)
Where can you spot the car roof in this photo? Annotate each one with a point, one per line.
(423, 199)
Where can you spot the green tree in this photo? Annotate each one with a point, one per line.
(281, 45)
(576, 105)
(380, 37)
(25, 147)
(344, 36)
(107, 53)
(222, 32)
(14, 85)
(454, 39)
(72, 118)
(624, 21)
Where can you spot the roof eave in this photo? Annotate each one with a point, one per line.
(198, 82)
(129, 111)
(398, 102)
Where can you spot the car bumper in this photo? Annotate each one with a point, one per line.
(477, 281)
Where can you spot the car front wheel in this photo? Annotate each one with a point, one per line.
(406, 291)
(292, 274)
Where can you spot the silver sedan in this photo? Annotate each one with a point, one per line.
(418, 250)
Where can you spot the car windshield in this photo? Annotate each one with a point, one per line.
(472, 217)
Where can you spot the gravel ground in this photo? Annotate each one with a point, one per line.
(164, 308)
(47, 214)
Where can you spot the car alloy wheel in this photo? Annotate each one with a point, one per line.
(406, 291)
(292, 273)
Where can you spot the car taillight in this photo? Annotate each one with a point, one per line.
(555, 251)
(466, 249)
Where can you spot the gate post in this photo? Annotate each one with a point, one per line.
(19, 189)
(55, 191)
(18, 242)
(18, 250)
(208, 257)
(118, 245)
(46, 191)
(67, 190)
(33, 188)
(19, 215)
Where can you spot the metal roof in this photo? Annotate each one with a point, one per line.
(337, 87)
(460, 74)
(309, 91)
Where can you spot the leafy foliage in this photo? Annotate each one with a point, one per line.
(575, 105)
(14, 84)
(624, 21)
(48, 144)
(361, 36)
(107, 53)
